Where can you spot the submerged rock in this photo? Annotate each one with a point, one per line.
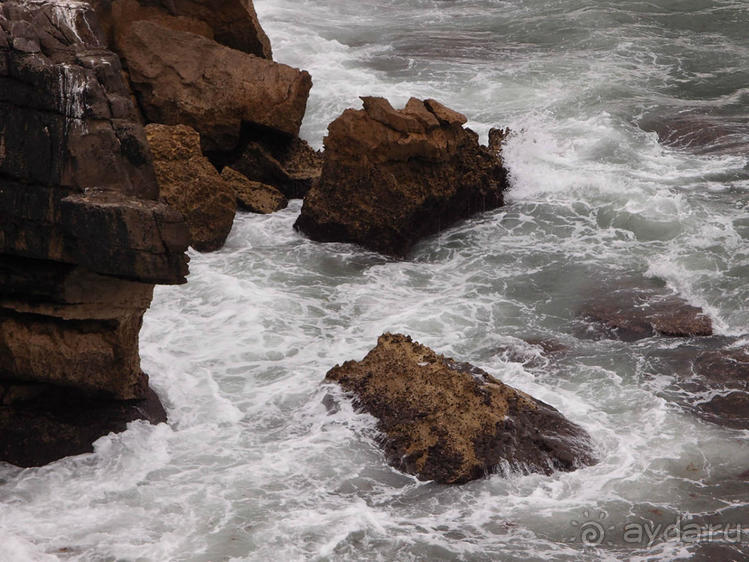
(452, 422)
(709, 378)
(190, 183)
(391, 177)
(700, 131)
(254, 196)
(628, 312)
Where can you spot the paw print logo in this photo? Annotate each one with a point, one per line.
(592, 531)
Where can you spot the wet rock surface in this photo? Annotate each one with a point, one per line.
(629, 312)
(452, 422)
(391, 177)
(189, 182)
(709, 378)
(701, 132)
(40, 424)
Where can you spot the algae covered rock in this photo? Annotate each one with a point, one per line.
(452, 422)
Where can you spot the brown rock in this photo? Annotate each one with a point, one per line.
(125, 12)
(41, 423)
(289, 165)
(452, 422)
(82, 236)
(215, 92)
(254, 196)
(392, 176)
(629, 313)
(190, 183)
(233, 23)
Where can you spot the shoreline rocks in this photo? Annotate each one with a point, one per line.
(391, 177)
(83, 237)
(214, 93)
(452, 422)
(40, 424)
(628, 312)
(253, 196)
(189, 182)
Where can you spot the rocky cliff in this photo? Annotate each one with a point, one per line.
(83, 236)
(90, 220)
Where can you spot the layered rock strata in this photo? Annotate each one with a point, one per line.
(83, 237)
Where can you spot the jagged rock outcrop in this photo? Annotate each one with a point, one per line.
(83, 237)
(216, 92)
(391, 176)
(246, 107)
(254, 196)
(629, 311)
(233, 23)
(189, 182)
(452, 422)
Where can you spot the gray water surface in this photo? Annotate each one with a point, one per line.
(252, 465)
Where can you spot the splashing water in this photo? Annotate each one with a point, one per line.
(253, 466)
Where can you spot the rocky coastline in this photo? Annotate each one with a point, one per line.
(120, 148)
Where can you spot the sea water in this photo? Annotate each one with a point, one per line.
(253, 466)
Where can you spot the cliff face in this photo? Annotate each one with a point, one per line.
(83, 236)
(89, 222)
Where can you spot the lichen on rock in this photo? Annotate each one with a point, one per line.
(452, 422)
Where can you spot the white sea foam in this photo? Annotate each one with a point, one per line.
(254, 466)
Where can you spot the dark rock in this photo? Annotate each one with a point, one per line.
(215, 92)
(452, 422)
(82, 236)
(77, 184)
(254, 196)
(190, 183)
(699, 131)
(288, 164)
(709, 378)
(391, 176)
(629, 312)
(42, 423)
